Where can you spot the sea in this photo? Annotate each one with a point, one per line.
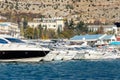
(62, 70)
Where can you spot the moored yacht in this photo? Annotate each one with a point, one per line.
(14, 49)
(102, 53)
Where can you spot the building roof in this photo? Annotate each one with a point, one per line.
(105, 26)
(92, 37)
(3, 24)
(107, 37)
(86, 37)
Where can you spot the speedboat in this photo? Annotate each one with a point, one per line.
(14, 49)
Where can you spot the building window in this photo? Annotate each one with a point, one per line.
(113, 40)
(54, 26)
(44, 25)
(60, 27)
(32, 25)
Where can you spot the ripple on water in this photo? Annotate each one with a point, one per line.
(63, 70)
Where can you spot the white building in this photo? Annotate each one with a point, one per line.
(106, 28)
(9, 29)
(33, 24)
(49, 23)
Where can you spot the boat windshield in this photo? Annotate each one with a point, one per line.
(3, 41)
(15, 40)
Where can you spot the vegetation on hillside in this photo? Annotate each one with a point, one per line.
(88, 11)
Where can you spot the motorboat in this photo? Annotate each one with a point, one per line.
(102, 54)
(14, 49)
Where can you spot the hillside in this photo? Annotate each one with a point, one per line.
(89, 11)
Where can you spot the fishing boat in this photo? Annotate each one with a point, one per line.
(14, 49)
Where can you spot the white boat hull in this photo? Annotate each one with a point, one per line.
(60, 55)
(36, 59)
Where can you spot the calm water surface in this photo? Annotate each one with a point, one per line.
(64, 70)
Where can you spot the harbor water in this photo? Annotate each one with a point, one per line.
(62, 70)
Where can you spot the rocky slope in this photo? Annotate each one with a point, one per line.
(89, 11)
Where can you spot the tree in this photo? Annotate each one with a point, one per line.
(29, 33)
(71, 24)
(58, 32)
(66, 23)
(40, 31)
(35, 33)
(51, 34)
(16, 6)
(81, 28)
(67, 33)
(25, 23)
(100, 30)
(97, 22)
(45, 36)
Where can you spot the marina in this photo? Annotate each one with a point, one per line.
(89, 54)
(59, 40)
(54, 50)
